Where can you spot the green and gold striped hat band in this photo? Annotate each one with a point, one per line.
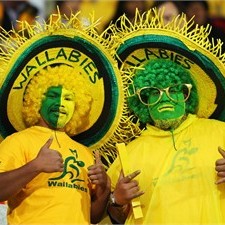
(147, 37)
(64, 41)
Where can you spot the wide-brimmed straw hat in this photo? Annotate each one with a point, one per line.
(64, 41)
(147, 37)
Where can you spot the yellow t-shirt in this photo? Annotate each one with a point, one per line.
(178, 173)
(50, 198)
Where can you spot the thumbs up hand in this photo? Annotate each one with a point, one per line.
(49, 160)
(99, 177)
(100, 190)
(220, 167)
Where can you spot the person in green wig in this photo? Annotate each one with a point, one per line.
(45, 176)
(172, 177)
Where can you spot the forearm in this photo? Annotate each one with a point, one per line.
(118, 214)
(12, 182)
(98, 206)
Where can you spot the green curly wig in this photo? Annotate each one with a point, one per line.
(69, 78)
(160, 73)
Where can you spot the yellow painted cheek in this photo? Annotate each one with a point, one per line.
(65, 118)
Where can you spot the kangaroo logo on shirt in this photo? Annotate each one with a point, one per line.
(182, 160)
(181, 167)
(71, 168)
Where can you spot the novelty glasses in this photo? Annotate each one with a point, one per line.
(152, 95)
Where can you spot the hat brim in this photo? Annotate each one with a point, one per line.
(69, 47)
(194, 52)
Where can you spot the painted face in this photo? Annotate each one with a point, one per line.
(166, 108)
(170, 11)
(57, 107)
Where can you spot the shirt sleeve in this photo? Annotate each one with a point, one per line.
(11, 154)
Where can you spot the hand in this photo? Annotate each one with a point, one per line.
(101, 189)
(220, 167)
(127, 188)
(97, 174)
(49, 160)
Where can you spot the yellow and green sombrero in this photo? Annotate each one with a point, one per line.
(63, 40)
(147, 37)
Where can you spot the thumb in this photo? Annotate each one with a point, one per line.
(121, 175)
(97, 157)
(221, 151)
(48, 143)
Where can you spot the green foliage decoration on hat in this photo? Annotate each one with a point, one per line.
(148, 38)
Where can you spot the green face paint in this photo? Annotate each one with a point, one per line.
(57, 107)
(166, 109)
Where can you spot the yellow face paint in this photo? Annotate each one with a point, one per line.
(66, 109)
(57, 107)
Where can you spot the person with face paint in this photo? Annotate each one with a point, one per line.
(57, 107)
(58, 182)
(171, 168)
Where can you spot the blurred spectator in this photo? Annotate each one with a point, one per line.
(10, 11)
(128, 8)
(42, 7)
(200, 11)
(71, 6)
(217, 8)
(219, 22)
(171, 9)
(67, 7)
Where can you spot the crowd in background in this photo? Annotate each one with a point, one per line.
(213, 12)
(205, 12)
